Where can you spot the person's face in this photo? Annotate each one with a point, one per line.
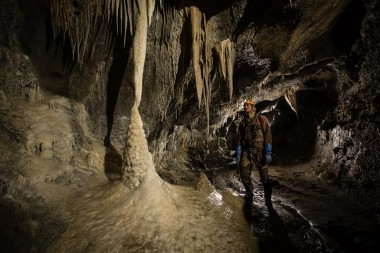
(249, 108)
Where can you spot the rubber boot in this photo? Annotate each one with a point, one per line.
(266, 185)
(245, 174)
(268, 193)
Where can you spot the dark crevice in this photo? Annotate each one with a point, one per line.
(115, 79)
(347, 30)
(113, 159)
(260, 12)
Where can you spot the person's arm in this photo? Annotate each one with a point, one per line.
(239, 148)
(267, 139)
(266, 130)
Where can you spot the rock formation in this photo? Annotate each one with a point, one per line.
(181, 70)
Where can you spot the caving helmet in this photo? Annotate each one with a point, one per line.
(250, 102)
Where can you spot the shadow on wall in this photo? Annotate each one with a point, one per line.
(294, 136)
(15, 234)
(22, 230)
(113, 161)
(34, 38)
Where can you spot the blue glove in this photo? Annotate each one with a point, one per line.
(238, 154)
(268, 153)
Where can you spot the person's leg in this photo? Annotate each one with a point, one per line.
(245, 174)
(265, 180)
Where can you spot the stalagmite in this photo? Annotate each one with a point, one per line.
(81, 33)
(138, 158)
(149, 215)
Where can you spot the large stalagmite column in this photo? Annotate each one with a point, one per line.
(137, 159)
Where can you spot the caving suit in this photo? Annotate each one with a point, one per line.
(253, 133)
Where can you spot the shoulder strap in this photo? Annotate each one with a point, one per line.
(261, 120)
(258, 117)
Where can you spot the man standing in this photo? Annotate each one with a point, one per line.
(254, 150)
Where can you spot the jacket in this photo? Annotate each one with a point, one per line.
(254, 132)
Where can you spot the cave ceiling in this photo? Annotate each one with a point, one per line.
(273, 48)
(86, 83)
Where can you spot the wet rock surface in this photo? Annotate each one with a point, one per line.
(307, 214)
(315, 65)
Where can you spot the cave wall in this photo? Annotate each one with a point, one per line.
(17, 74)
(330, 64)
(349, 134)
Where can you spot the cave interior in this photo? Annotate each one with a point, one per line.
(118, 125)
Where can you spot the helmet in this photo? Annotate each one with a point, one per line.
(250, 101)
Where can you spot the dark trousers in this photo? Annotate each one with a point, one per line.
(249, 161)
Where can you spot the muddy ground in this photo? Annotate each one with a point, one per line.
(307, 214)
(39, 182)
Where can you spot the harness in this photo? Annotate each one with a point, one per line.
(251, 132)
(253, 152)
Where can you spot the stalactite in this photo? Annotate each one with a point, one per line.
(226, 54)
(130, 17)
(125, 19)
(206, 77)
(199, 59)
(95, 40)
(116, 6)
(230, 55)
(80, 23)
(219, 48)
(108, 11)
(196, 18)
(290, 98)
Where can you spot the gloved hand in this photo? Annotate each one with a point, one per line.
(268, 153)
(238, 154)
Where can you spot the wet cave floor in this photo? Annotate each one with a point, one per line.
(40, 197)
(307, 214)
